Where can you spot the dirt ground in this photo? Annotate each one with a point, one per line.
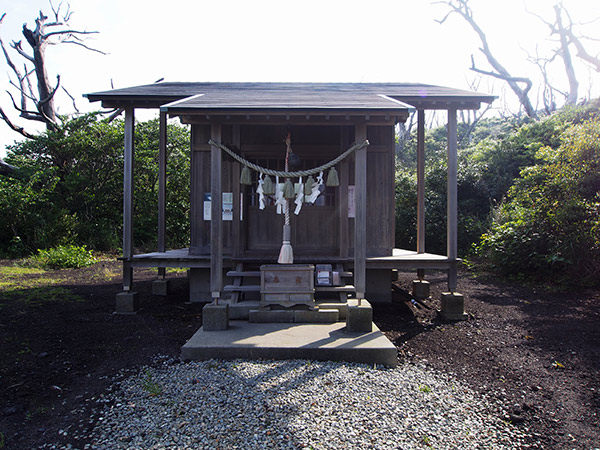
(61, 346)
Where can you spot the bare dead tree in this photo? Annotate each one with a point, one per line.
(519, 85)
(563, 30)
(46, 32)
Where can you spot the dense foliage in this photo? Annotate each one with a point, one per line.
(528, 195)
(69, 187)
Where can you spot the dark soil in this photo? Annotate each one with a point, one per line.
(61, 346)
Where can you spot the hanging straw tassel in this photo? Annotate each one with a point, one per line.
(286, 254)
(333, 179)
(308, 185)
(288, 189)
(246, 177)
(268, 188)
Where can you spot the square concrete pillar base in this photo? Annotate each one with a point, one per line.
(128, 302)
(360, 318)
(453, 306)
(421, 289)
(215, 317)
(161, 287)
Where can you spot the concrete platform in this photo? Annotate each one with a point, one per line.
(323, 342)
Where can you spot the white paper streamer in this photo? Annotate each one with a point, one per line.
(299, 198)
(261, 193)
(279, 199)
(315, 189)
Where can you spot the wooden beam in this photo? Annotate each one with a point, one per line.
(216, 224)
(360, 221)
(421, 181)
(452, 213)
(128, 160)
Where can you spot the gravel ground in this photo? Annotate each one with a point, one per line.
(294, 405)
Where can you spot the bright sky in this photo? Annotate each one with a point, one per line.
(290, 40)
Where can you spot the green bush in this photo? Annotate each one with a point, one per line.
(65, 257)
(549, 227)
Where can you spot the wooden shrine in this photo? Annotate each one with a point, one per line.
(235, 229)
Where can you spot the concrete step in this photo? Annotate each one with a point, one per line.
(323, 342)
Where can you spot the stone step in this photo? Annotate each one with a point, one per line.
(293, 316)
(243, 288)
(249, 273)
(328, 342)
(346, 288)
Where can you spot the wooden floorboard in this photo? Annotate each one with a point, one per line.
(400, 259)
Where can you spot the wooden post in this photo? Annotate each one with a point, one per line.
(162, 187)
(216, 224)
(360, 221)
(421, 187)
(421, 181)
(343, 195)
(128, 160)
(452, 197)
(236, 225)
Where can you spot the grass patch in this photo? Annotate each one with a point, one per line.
(17, 271)
(39, 296)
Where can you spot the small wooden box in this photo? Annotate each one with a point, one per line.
(287, 284)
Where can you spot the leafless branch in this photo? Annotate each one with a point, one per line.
(19, 49)
(72, 99)
(92, 49)
(55, 33)
(14, 127)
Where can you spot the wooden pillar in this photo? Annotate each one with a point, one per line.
(360, 221)
(421, 181)
(162, 187)
(237, 230)
(452, 197)
(343, 194)
(128, 159)
(216, 224)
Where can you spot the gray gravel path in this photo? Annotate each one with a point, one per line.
(296, 405)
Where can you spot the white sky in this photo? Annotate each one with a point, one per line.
(289, 40)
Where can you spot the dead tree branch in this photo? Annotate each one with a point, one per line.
(462, 8)
(46, 32)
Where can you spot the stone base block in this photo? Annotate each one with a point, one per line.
(161, 287)
(128, 302)
(360, 317)
(453, 306)
(421, 289)
(274, 316)
(341, 307)
(241, 311)
(215, 317)
(316, 316)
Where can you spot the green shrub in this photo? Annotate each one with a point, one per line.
(65, 257)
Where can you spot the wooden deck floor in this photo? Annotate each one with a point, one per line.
(400, 259)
